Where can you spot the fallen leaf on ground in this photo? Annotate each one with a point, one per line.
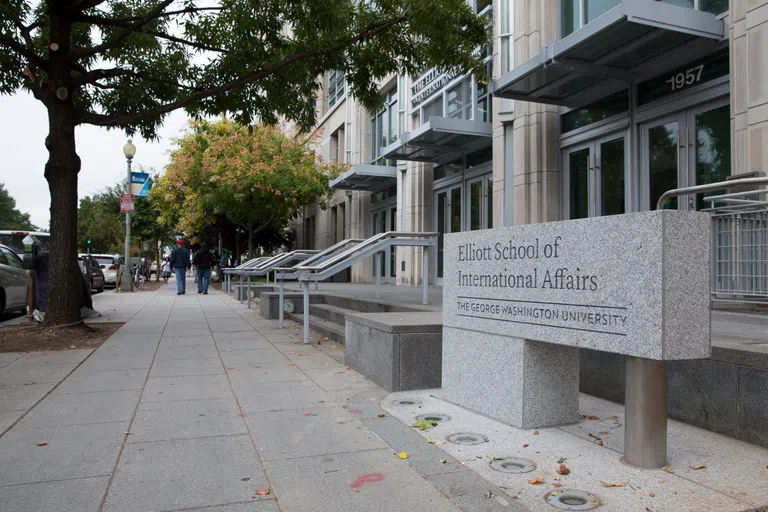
(44, 443)
(535, 432)
(536, 481)
(557, 478)
(355, 490)
(652, 494)
(29, 383)
(493, 457)
(439, 442)
(561, 460)
(668, 469)
(588, 417)
(525, 445)
(604, 433)
(443, 461)
(557, 484)
(382, 415)
(488, 494)
(553, 493)
(699, 466)
(402, 455)
(614, 484)
(263, 492)
(563, 470)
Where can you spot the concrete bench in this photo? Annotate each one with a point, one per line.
(398, 351)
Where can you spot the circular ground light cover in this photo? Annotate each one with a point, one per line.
(572, 499)
(467, 438)
(513, 465)
(436, 417)
(406, 401)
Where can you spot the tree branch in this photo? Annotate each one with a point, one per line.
(163, 35)
(92, 78)
(122, 22)
(265, 225)
(33, 58)
(124, 34)
(127, 119)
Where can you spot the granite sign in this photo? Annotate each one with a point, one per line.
(634, 284)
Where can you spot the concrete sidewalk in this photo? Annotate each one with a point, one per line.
(196, 403)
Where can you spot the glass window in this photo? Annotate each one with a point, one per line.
(13, 260)
(701, 71)
(570, 16)
(475, 205)
(385, 126)
(335, 87)
(713, 149)
(662, 164)
(594, 8)
(482, 4)
(578, 174)
(456, 210)
(442, 207)
(713, 6)
(459, 100)
(489, 222)
(432, 109)
(450, 169)
(3, 259)
(612, 176)
(608, 107)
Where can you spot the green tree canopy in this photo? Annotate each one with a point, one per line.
(10, 217)
(257, 177)
(127, 64)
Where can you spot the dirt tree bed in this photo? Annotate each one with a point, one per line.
(32, 337)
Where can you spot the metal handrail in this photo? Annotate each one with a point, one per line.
(247, 264)
(710, 187)
(331, 249)
(364, 245)
(281, 258)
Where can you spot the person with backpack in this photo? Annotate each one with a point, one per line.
(180, 264)
(203, 260)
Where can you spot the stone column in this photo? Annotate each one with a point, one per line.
(749, 85)
(535, 146)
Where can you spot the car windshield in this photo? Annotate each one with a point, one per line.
(15, 241)
(105, 261)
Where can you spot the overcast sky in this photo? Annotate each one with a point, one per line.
(23, 128)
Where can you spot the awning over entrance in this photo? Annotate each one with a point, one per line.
(634, 41)
(365, 177)
(440, 139)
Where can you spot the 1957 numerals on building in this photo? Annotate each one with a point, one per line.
(685, 78)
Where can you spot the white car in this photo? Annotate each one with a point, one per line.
(109, 264)
(13, 281)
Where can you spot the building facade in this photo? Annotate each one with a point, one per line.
(596, 108)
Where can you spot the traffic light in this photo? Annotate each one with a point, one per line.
(89, 241)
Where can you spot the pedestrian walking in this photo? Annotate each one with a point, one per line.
(180, 264)
(166, 269)
(203, 260)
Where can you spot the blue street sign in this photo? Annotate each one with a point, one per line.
(140, 184)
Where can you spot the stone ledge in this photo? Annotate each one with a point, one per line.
(400, 322)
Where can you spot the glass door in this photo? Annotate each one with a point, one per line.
(595, 178)
(448, 217)
(480, 203)
(693, 147)
(709, 148)
(661, 140)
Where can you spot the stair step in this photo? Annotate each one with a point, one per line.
(330, 312)
(323, 326)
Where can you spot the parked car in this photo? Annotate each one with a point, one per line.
(13, 240)
(109, 264)
(13, 281)
(92, 272)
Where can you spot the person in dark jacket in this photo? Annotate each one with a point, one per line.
(203, 261)
(180, 264)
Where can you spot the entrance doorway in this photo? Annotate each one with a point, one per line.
(386, 220)
(688, 148)
(595, 177)
(448, 217)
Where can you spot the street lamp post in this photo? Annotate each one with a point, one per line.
(126, 282)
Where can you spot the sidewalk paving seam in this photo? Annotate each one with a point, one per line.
(30, 409)
(243, 414)
(55, 480)
(364, 450)
(135, 409)
(213, 507)
(185, 438)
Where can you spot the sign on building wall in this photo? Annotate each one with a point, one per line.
(634, 284)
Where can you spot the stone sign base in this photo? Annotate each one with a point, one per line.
(525, 383)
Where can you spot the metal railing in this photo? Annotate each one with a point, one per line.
(345, 254)
(262, 267)
(739, 238)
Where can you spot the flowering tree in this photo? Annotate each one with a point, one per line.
(255, 176)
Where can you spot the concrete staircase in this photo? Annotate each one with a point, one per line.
(328, 318)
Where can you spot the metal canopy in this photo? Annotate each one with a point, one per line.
(365, 177)
(438, 137)
(632, 42)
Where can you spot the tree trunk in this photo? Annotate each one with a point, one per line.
(237, 244)
(61, 171)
